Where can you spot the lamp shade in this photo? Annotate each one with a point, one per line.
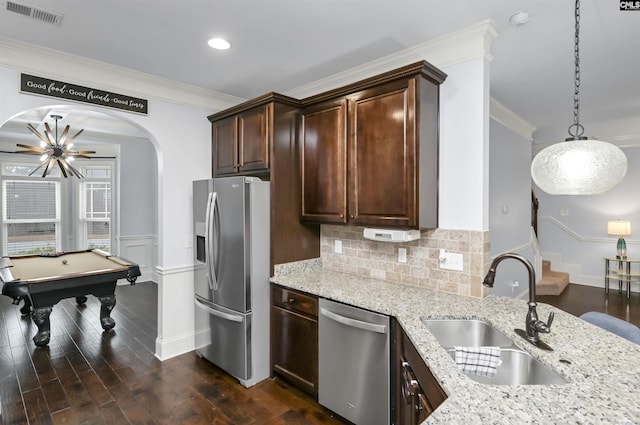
(619, 228)
(579, 167)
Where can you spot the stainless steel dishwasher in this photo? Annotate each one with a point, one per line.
(353, 369)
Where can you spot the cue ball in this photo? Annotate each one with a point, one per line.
(64, 261)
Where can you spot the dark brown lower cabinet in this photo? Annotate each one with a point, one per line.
(417, 392)
(294, 337)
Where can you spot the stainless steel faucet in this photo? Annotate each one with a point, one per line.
(533, 326)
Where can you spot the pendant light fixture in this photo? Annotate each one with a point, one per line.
(54, 150)
(579, 165)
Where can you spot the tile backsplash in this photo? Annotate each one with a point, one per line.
(380, 259)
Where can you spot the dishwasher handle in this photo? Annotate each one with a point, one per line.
(354, 323)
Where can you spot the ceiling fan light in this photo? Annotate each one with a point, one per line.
(585, 167)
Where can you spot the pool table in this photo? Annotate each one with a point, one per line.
(43, 280)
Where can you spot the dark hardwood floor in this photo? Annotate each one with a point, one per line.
(87, 376)
(578, 299)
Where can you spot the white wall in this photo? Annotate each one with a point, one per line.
(137, 238)
(464, 146)
(510, 206)
(138, 189)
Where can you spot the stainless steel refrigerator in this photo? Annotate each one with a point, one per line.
(232, 268)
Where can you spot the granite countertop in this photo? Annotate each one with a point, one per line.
(603, 374)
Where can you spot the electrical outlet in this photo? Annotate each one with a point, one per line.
(402, 255)
(514, 285)
(188, 241)
(337, 247)
(451, 261)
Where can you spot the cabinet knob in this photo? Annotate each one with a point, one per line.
(351, 216)
(291, 300)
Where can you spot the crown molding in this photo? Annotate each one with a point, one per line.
(449, 49)
(511, 120)
(54, 64)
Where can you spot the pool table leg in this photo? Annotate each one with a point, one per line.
(26, 308)
(40, 316)
(107, 303)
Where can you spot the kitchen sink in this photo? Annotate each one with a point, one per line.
(517, 368)
(466, 333)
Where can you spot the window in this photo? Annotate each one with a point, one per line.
(53, 213)
(95, 208)
(30, 211)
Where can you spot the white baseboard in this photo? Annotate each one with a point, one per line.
(175, 346)
(598, 282)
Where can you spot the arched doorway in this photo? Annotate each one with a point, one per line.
(122, 146)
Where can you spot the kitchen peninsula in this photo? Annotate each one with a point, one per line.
(602, 369)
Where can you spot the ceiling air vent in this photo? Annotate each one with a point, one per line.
(35, 13)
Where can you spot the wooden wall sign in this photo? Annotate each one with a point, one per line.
(62, 90)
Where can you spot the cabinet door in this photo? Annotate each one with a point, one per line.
(224, 152)
(324, 161)
(294, 337)
(418, 393)
(382, 150)
(295, 348)
(253, 139)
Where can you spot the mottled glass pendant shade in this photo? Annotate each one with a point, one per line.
(579, 167)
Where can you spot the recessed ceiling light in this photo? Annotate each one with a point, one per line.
(219, 43)
(519, 18)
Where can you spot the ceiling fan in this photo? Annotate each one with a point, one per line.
(54, 150)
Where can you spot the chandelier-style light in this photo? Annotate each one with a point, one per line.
(579, 165)
(54, 150)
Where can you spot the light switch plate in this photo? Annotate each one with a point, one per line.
(337, 247)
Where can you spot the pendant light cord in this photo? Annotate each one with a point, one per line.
(576, 130)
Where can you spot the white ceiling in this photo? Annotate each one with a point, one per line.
(280, 45)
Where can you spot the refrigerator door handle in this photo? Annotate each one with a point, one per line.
(207, 235)
(212, 229)
(214, 262)
(381, 329)
(218, 313)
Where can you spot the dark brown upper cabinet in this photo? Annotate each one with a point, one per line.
(240, 142)
(369, 151)
(260, 137)
(324, 162)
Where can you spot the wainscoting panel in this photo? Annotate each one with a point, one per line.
(142, 250)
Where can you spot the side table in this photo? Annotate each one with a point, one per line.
(622, 273)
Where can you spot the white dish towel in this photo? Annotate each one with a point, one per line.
(482, 361)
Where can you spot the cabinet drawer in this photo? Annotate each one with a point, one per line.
(295, 301)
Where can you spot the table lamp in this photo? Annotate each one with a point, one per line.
(620, 228)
